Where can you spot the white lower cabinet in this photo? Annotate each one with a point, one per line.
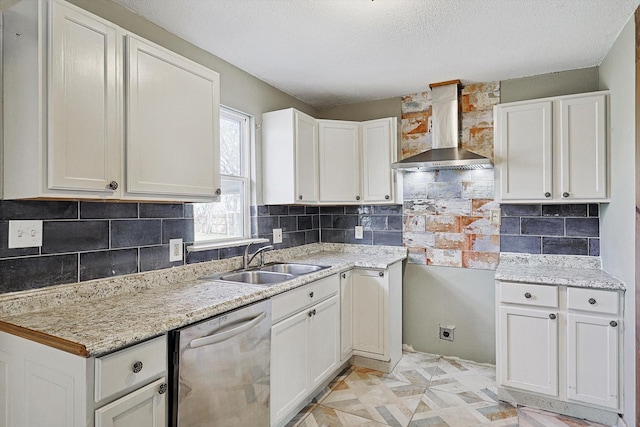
(560, 344)
(346, 315)
(377, 314)
(305, 344)
(44, 386)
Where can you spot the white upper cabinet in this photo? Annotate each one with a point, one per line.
(339, 161)
(290, 157)
(378, 152)
(172, 123)
(552, 150)
(64, 137)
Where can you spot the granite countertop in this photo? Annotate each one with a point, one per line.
(566, 270)
(95, 321)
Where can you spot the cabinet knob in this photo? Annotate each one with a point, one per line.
(163, 388)
(113, 185)
(381, 274)
(386, 197)
(357, 197)
(565, 194)
(137, 367)
(592, 301)
(613, 323)
(527, 295)
(552, 316)
(300, 197)
(218, 191)
(310, 294)
(547, 194)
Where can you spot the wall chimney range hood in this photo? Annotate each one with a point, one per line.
(445, 154)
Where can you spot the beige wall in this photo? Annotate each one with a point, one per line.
(390, 107)
(552, 84)
(239, 90)
(617, 219)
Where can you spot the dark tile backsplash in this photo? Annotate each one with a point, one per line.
(93, 240)
(572, 229)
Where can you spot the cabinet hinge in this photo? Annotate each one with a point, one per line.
(176, 358)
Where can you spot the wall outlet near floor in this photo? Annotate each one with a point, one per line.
(277, 235)
(25, 234)
(359, 232)
(446, 332)
(175, 250)
(496, 216)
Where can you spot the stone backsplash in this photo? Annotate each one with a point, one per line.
(446, 213)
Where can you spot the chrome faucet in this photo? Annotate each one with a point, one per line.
(248, 258)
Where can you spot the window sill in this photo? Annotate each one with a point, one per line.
(206, 246)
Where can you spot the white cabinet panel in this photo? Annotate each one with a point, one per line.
(592, 359)
(324, 340)
(145, 407)
(339, 161)
(369, 298)
(346, 315)
(552, 150)
(172, 123)
(306, 147)
(377, 155)
(528, 350)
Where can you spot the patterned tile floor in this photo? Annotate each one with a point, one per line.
(423, 390)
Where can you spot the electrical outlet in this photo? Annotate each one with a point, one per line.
(446, 332)
(25, 234)
(175, 250)
(359, 232)
(277, 235)
(496, 216)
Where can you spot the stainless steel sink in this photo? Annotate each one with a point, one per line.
(256, 277)
(295, 269)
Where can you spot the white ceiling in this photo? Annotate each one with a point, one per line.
(332, 52)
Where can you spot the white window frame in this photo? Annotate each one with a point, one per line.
(245, 178)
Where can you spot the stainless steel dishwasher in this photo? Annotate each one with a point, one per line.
(220, 370)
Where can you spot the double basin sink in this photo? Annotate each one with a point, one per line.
(266, 275)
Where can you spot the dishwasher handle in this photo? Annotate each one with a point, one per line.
(222, 336)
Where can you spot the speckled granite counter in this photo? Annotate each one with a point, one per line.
(97, 317)
(567, 270)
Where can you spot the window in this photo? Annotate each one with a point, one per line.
(228, 219)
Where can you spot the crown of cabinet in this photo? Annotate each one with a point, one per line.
(65, 132)
(315, 161)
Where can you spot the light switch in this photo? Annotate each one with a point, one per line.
(25, 234)
(496, 216)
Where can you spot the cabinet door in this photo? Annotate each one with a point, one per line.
(369, 299)
(306, 146)
(289, 377)
(339, 161)
(84, 146)
(592, 360)
(378, 146)
(324, 340)
(582, 148)
(173, 122)
(524, 151)
(528, 350)
(346, 315)
(145, 407)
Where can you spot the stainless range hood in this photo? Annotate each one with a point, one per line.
(445, 154)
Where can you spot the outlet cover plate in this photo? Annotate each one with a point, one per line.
(25, 234)
(277, 235)
(175, 250)
(446, 332)
(359, 232)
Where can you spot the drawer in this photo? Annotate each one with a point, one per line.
(115, 372)
(288, 303)
(529, 294)
(594, 300)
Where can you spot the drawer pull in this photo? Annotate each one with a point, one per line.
(163, 388)
(137, 367)
(592, 301)
(310, 294)
(613, 323)
(527, 295)
(552, 316)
